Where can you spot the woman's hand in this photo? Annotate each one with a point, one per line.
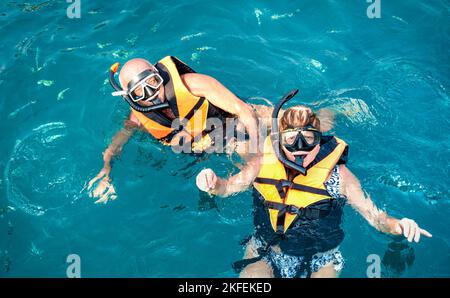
(409, 228)
(104, 190)
(206, 180)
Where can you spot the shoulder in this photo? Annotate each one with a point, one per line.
(198, 83)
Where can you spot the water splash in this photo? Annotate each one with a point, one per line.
(191, 36)
(196, 55)
(13, 114)
(46, 83)
(35, 251)
(258, 14)
(155, 27)
(61, 94)
(284, 15)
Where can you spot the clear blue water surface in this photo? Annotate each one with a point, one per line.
(387, 78)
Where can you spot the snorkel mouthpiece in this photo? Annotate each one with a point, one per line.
(299, 159)
(275, 136)
(119, 91)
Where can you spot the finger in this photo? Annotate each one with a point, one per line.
(426, 233)
(93, 180)
(206, 182)
(109, 194)
(112, 189)
(96, 178)
(405, 225)
(99, 190)
(102, 188)
(417, 235)
(201, 182)
(412, 231)
(102, 200)
(210, 181)
(214, 181)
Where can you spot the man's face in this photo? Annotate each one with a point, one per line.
(138, 93)
(146, 91)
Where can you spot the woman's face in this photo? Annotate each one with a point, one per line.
(289, 137)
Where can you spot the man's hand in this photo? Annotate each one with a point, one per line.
(104, 190)
(206, 180)
(409, 228)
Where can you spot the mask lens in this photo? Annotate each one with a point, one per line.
(147, 88)
(289, 137)
(309, 137)
(300, 139)
(137, 93)
(154, 81)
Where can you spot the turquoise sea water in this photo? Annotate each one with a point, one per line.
(387, 78)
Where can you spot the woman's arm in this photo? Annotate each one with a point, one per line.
(208, 181)
(351, 188)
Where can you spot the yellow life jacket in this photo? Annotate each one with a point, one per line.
(286, 198)
(190, 110)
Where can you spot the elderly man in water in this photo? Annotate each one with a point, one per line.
(177, 106)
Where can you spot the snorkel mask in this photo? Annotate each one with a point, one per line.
(144, 87)
(301, 141)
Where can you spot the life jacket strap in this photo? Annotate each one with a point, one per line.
(306, 212)
(197, 106)
(281, 184)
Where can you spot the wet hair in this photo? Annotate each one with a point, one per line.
(299, 116)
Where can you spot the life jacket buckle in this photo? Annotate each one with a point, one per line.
(293, 209)
(285, 183)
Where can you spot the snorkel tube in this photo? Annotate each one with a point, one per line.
(143, 109)
(275, 135)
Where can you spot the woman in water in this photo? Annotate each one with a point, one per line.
(301, 184)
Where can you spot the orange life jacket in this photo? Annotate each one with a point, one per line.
(191, 111)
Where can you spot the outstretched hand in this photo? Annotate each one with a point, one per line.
(103, 190)
(410, 230)
(206, 180)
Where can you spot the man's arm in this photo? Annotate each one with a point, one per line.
(351, 188)
(118, 141)
(221, 97)
(104, 189)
